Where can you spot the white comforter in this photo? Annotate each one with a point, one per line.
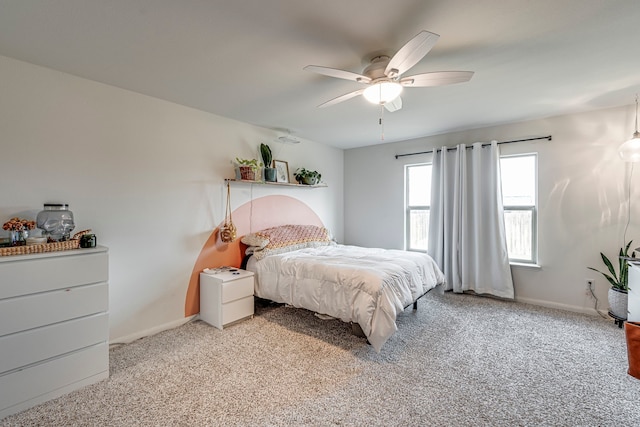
(363, 285)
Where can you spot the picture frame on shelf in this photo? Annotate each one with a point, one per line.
(282, 170)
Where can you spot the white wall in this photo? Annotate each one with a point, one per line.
(582, 192)
(144, 174)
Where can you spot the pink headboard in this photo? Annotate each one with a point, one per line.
(256, 215)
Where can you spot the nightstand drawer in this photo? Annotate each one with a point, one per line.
(237, 310)
(237, 289)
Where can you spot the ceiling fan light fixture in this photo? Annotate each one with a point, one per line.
(382, 92)
(630, 150)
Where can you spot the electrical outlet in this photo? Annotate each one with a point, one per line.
(589, 287)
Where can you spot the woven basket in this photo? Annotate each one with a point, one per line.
(74, 243)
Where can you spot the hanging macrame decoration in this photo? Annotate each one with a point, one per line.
(228, 230)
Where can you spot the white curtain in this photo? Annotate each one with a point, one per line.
(466, 226)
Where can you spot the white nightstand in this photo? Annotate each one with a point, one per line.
(226, 295)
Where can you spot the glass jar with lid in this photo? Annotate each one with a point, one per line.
(56, 221)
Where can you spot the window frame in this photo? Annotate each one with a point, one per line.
(410, 208)
(532, 208)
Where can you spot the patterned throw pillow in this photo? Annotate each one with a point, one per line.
(285, 238)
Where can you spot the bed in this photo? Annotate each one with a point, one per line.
(302, 266)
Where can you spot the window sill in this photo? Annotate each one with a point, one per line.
(524, 264)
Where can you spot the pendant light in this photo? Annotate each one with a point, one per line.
(630, 150)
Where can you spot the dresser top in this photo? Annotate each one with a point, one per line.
(69, 252)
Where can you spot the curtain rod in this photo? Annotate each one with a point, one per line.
(548, 138)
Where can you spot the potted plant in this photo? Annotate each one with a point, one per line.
(269, 172)
(248, 168)
(619, 282)
(307, 177)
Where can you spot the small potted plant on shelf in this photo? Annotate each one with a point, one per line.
(619, 282)
(248, 168)
(307, 177)
(269, 172)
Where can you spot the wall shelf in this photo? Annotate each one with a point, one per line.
(281, 184)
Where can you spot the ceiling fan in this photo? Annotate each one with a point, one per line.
(383, 76)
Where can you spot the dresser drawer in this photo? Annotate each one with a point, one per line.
(236, 310)
(24, 388)
(237, 289)
(24, 348)
(30, 311)
(28, 276)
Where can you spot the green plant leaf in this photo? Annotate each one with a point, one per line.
(265, 152)
(624, 268)
(611, 280)
(621, 280)
(609, 266)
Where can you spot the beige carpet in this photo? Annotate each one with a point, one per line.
(459, 360)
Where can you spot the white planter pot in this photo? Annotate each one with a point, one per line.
(618, 303)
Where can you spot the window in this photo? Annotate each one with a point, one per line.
(417, 201)
(519, 200)
(519, 179)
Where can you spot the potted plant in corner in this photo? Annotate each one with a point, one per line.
(307, 177)
(269, 172)
(248, 168)
(619, 282)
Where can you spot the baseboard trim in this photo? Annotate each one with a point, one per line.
(152, 331)
(566, 307)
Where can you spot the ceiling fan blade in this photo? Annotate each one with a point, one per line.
(394, 105)
(340, 74)
(437, 78)
(341, 98)
(411, 53)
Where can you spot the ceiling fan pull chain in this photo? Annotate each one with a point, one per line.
(381, 122)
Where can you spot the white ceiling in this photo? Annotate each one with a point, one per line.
(244, 59)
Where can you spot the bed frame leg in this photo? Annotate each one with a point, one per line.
(357, 330)
(415, 305)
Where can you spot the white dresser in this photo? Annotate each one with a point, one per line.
(226, 296)
(54, 326)
(633, 304)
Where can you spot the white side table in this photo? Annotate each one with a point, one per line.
(226, 295)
